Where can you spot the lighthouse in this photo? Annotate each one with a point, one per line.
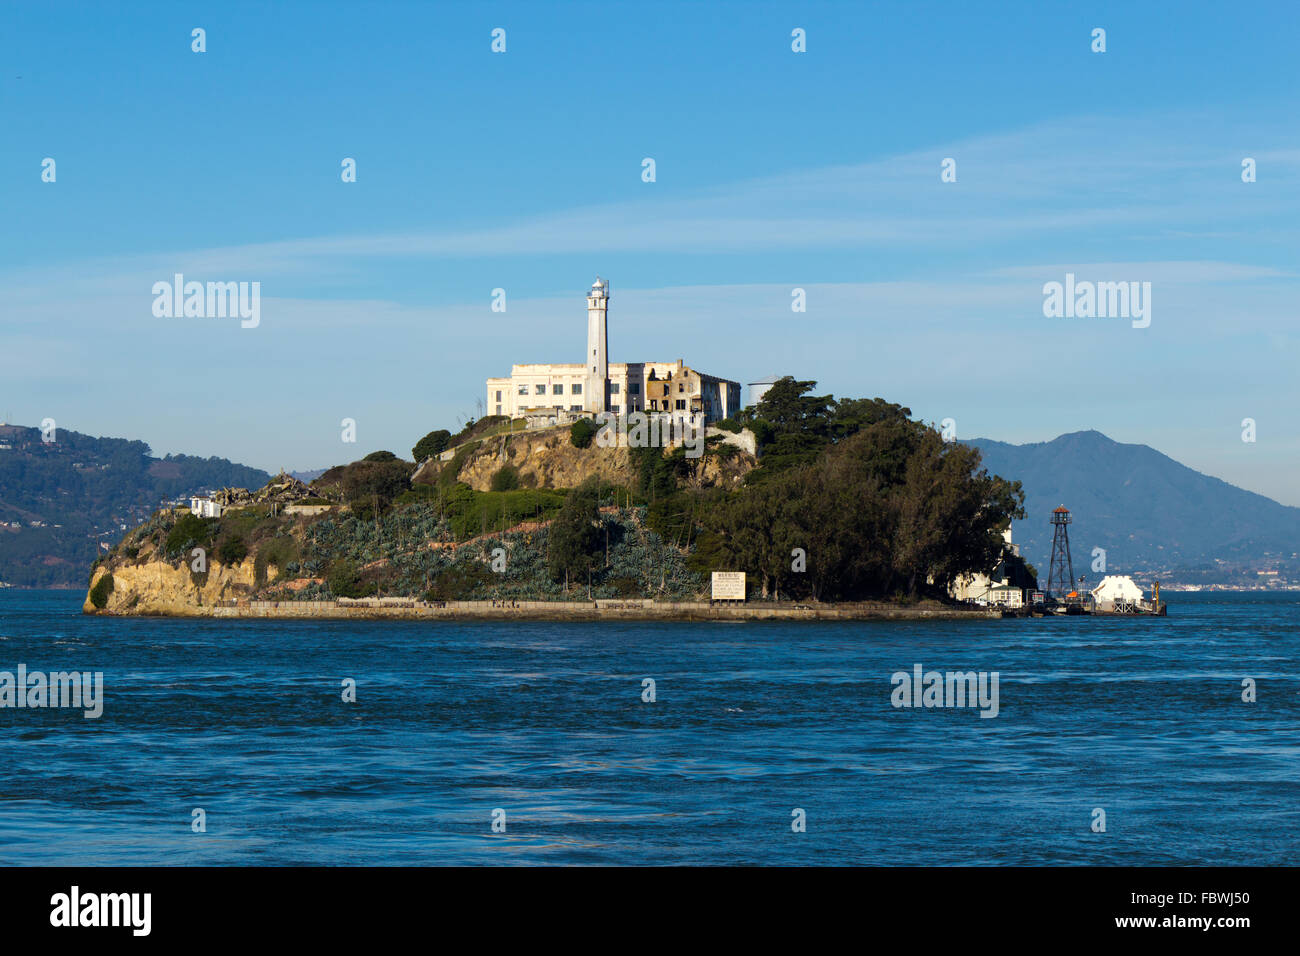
(558, 393)
(596, 373)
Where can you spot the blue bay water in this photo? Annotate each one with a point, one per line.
(1143, 718)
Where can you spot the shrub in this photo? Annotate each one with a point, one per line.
(505, 479)
(474, 429)
(431, 444)
(279, 551)
(100, 592)
(345, 581)
(581, 433)
(233, 550)
(763, 432)
(721, 451)
(190, 531)
(377, 481)
(574, 538)
(459, 582)
(416, 494)
(626, 586)
(448, 471)
(471, 512)
(380, 456)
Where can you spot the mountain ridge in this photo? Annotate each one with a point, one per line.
(1150, 513)
(60, 499)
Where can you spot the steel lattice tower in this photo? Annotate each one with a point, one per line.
(1060, 574)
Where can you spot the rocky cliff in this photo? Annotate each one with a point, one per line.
(424, 544)
(157, 587)
(546, 458)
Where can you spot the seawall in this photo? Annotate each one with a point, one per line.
(598, 610)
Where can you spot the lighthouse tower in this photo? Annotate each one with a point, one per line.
(596, 378)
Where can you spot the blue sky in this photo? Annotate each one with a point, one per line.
(775, 170)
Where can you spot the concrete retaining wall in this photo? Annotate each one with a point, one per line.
(593, 610)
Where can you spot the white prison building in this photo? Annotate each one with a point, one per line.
(559, 392)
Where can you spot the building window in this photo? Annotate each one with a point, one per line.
(593, 370)
(540, 389)
(681, 386)
(614, 409)
(575, 408)
(523, 390)
(634, 388)
(613, 388)
(498, 399)
(575, 388)
(681, 404)
(557, 389)
(498, 407)
(665, 389)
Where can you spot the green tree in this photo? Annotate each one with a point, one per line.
(100, 592)
(792, 427)
(581, 433)
(233, 550)
(506, 478)
(757, 528)
(344, 580)
(890, 509)
(950, 512)
(190, 531)
(788, 407)
(575, 538)
(460, 581)
(377, 482)
(431, 444)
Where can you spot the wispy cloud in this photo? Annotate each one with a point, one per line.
(957, 332)
(1051, 184)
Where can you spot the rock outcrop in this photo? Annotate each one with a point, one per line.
(158, 587)
(546, 458)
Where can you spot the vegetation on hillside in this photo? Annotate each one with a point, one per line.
(581, 433)
(852, 500)
(431, 444)
(102, 589)
(68, 495)
(367, 486)
(506, 478)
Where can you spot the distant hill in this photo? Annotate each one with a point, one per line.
(1149, 512)
(58, 500)
(307, 477)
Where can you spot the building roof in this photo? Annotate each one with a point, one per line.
(1117, 586)
(770, 380)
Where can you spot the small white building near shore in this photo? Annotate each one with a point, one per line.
(992, 589)
(1116, 589)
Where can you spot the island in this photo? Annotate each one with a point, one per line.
(832, 508)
